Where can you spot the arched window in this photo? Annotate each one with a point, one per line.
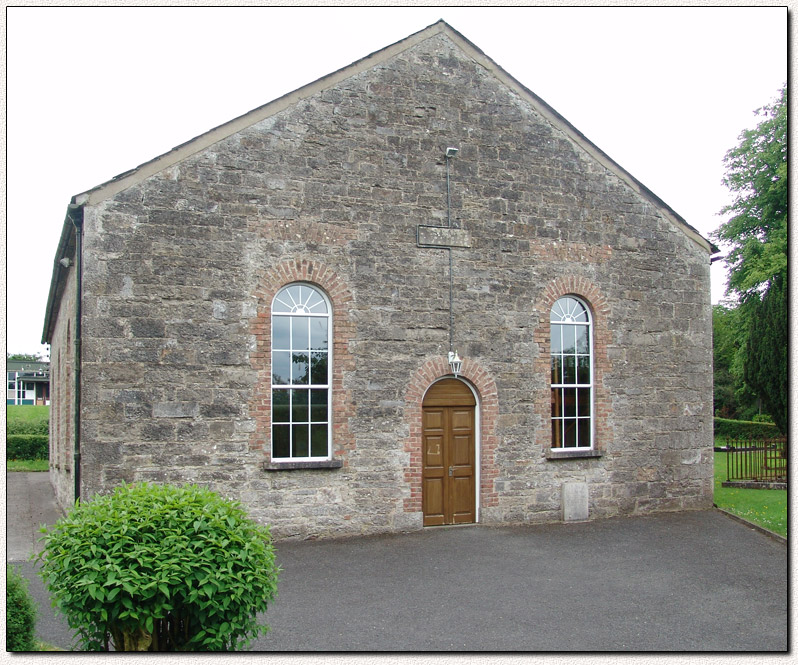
(301, 371)
(571, 374)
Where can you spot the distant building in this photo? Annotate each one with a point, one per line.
(27, 382)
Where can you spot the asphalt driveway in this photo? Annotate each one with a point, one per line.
(695, 581)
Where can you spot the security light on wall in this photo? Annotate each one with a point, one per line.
(451, 152)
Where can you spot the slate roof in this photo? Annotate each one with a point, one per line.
(34, 371)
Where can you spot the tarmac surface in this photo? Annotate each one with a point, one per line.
(683, 582)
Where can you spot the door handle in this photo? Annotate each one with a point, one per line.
(451, 471)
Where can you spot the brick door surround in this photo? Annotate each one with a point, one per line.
(484, 386)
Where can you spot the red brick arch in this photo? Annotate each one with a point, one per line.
(472, 372)
(592, 296)
(316, 273)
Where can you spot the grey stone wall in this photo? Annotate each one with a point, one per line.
(62, 393)
(175, 269)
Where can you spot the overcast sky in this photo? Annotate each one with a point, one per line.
(93, 92)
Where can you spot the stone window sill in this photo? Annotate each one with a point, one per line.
(292, 466)
(553, 454)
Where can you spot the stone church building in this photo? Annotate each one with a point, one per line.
(407, 294)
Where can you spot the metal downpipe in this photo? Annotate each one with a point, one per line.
(76, 216)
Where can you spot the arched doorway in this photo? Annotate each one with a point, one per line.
(449, 454)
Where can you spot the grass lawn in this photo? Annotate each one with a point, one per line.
(26, 413)
(27, 465)
(44, 646)
(27, 419)
(767, 508)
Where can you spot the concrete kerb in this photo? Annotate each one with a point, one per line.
(755, 527)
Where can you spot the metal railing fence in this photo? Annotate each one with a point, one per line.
(757, 460)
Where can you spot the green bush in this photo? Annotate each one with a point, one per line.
(20, 613)
(743, 429)
(160, 568)
(28, 427)
(762, 418)
(27, 446)
(27, 419)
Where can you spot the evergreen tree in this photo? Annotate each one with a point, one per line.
(766, 352)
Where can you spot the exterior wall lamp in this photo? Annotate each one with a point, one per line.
(455, 363)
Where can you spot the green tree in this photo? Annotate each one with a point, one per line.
(733, 398)
(756, 173)
(766, 352)
(25, 357)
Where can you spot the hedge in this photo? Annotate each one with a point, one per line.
(28, 427)
(743, 429)
(27, 446)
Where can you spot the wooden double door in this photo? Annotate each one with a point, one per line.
(449, 455)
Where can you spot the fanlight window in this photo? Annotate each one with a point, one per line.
(571, 375)
(299, 299)
(301, 370)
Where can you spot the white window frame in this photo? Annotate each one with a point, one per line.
(567, 320)
(11, 387)
(301, 311)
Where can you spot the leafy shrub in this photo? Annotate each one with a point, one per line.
(20, 613)
(28, 427)
(743, 429)
(160, 568)
(27, 419)
(762, 418)
(27, 446)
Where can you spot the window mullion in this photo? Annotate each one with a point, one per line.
(572, 374)
(307, 342)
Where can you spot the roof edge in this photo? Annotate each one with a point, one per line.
(57, 282)
(197, 144)
(553, 116)
(134, 176)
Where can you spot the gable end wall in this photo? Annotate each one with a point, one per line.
(179, 268)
